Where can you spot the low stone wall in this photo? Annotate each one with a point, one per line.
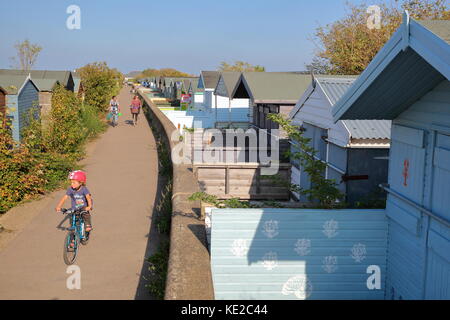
(189, 272)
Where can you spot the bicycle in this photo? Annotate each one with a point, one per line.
(75, 235)
(114, 118)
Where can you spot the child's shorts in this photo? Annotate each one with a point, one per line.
(87, 218)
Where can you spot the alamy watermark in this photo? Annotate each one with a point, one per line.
(73, 21)
(229, 146)
(74, 280)
(374, 280)
(374, 19)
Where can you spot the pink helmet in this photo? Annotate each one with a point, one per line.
(78, 175)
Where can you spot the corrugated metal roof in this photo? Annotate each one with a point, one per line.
(369, 129)
(334, 89)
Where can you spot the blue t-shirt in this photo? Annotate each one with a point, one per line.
(78, 197)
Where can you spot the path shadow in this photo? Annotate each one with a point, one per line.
(153, 241)
(111, 125)
(129, 122)
(60, 225)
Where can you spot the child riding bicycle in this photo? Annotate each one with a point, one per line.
(80, 196)
(114, 109)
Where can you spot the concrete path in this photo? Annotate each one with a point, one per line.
(122, 170)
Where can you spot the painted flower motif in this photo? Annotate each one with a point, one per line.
(270, 260)
(270, 229)
(302, 247)
(330, 264)
(359, 252)
(239, 247)
(330, 228)
(299, 285)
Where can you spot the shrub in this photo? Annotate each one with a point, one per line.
(100, 83)
(66, 132)
(323, 191)
(21, 175)
(158, 269)
(91, 121)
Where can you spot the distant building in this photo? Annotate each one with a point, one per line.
(229, 112)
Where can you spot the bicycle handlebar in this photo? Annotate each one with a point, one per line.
(70, 211)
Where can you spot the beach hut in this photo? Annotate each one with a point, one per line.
(208, 82)
(271, 92)
(355, 151)
(196, 94)
(408, 82)
(167, 87)
(21, 95)
(229, 112)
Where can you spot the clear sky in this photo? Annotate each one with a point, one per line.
(187, 35)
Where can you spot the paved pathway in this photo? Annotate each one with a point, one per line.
(122, 174)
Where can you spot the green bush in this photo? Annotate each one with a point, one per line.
(100, 83)
(65, 133)
(91, 121)
(164, 210)
(21, 175)
(158, 271)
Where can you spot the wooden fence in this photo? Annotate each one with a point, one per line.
(242, 180)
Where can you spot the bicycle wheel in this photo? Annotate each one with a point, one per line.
(69, 253)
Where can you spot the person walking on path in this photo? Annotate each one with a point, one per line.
(114, 109)
(135, 108)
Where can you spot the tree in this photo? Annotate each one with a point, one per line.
(100, 83)
(323, 191)
(164, 72)
(318, 66)
(347, 46)
(27, 54)
(241, 66)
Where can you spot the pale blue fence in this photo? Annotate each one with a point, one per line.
(298, 253)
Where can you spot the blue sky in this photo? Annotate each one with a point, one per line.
(186, 35)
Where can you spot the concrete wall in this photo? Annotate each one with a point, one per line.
(189, 270)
